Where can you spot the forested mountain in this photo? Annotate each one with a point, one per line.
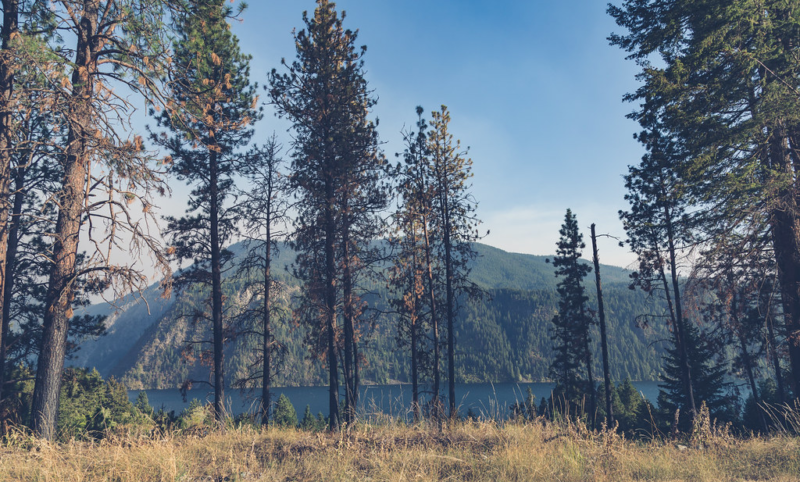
(502, 338)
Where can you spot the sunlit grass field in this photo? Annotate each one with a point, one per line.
(476, 451)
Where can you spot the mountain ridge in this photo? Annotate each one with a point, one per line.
(502, 340)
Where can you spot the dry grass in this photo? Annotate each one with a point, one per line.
(467, 451)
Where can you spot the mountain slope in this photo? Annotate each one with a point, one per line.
(505, 338)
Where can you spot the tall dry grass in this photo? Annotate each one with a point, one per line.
(391, 451)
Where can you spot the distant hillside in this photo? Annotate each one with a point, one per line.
(505, 338)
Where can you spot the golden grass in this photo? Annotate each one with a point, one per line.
(482, 451)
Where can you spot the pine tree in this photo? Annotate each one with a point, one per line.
(285, 414)
(101, 199)
(264, 212)
(708, 377)
(658, 231)
(571, 323)
(212, 84)
(336, 172)
(455, 223)
(725, 90)
(411, 276)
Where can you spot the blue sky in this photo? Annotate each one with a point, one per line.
(533, 88)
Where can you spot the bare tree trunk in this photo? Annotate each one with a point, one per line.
(11, 268)
(603, 338)
(434, 322)
(10, 28)
(266, 374)
(60, 290)
(216, 290)
(330, 305)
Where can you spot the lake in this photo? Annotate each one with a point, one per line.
(486, 399)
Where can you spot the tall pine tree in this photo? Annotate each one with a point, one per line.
(212, 85)
(572, 321)
(336, 173)
(100, 199)
(455, 223)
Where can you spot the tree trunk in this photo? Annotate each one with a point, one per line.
(10, 28)
(434, 322)
(330, 305)
(449, 295)
(773, 352)
(413, 328)
(748, 367)
(679, 320)
(786, 241)
(60, 290)
(266, 373)
(603, 339)
(349, 336)
(216, 289)
(11, 268)
(589, 374)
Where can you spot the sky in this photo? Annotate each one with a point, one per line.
(533, 88)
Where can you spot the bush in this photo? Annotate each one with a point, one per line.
(312, 423)
(284, 415)
(195, 415)
(88, 405)
(143, 404)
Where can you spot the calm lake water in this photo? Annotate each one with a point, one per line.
(485, 399)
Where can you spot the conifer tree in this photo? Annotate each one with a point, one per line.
(658, 232)
(725, 90)
(571, 323)
(709, 380)
(456, 225)
(411, 275)
(26, 26)
(212, 85)
(264, 212)
(336, 173)
(118, 44)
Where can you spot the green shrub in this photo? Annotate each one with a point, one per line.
(88, 406)
(143, 404)
(195, 415)
(284, 414)
(312, 423)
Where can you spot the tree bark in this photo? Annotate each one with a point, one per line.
(434, 322)
(266, 374)
(349, 335)
(449, 299)
(11, 268)
(773, 352)
(330, 303)
(680, 331)
(413, 327)
(786, 242)
(10, 28)
(216, 289)
(747, 360)
(60, 290)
